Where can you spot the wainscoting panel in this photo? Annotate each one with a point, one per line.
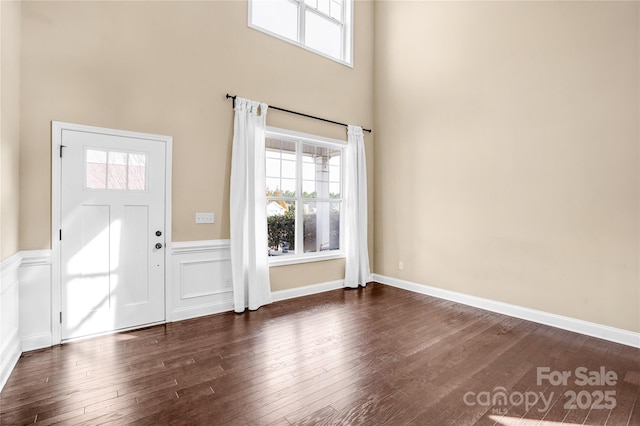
(35, 300)
(201, 281)
(10, 349)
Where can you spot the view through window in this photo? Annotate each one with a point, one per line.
(323, 26)
(304, 196)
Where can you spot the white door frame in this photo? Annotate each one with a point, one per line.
(56, 193)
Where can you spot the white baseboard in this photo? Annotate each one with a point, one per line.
(180, 314)
(38, 341)
(10, 357)
(605, 332)
(307, 290)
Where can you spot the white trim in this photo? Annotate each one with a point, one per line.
(185, 247)
(37, 341)
(600, 331)
(275, 261)
(10, 349)
(10, 262)
(110, 332)
(292, 135)
(307, 290)
(35, 286)
(36, 257)
(168, 224)
(181, 314)
(56, 169)
(10, 357)
(56, 225)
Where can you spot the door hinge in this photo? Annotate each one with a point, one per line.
(60, 317)
(60, 235)
(62, 146)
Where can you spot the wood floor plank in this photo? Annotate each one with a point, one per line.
(378, 355)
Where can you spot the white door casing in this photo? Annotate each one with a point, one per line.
(111, 196)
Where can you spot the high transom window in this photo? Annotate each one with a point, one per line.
(304, 195)
(323, 26)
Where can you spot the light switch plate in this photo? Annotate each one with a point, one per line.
(204, 218)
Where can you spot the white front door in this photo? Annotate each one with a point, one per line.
(112, 232)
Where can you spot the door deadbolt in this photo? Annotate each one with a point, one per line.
(158, 245)
(158, 233)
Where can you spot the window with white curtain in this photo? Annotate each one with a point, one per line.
(304, 196)
(323, 26)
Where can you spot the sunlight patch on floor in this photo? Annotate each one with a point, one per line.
(512, 421)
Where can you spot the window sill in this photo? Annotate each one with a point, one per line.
(304, 258)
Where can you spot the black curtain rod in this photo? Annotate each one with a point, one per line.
(228, 96)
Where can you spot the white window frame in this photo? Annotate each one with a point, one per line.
(305, 138)
(346, 24)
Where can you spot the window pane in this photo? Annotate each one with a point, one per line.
(321, 226)
(278, 16)
(323, 35)
(288, 169)
(281, 168)
(334, 190)
(321, 172)
(308, 170)
(309, 189)
(323, 6)
(334, 173)
(281, 227)
(117, 170)
(137, 172)
(288, 188)
(96, 169)
(273, 167)
(336, 10)
(273, 187)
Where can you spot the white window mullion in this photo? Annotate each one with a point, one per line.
(322, 33)
(299, 201)
(301, 11)
(347, 31)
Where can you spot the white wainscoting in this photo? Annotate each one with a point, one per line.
(201, 279)
(10, 350)
(307, 290)
(35, 300)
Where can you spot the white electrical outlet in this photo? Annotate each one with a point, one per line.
(401, 265)
(204, 218)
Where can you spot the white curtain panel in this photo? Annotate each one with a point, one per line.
(357, 271)
(249, 261)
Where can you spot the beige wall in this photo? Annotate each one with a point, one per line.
(507, 151)
(164, 67)
(9, 126)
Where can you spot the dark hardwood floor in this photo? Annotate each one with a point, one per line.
(370, 356)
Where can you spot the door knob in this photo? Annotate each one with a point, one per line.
(158, 233)
(158, 245)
